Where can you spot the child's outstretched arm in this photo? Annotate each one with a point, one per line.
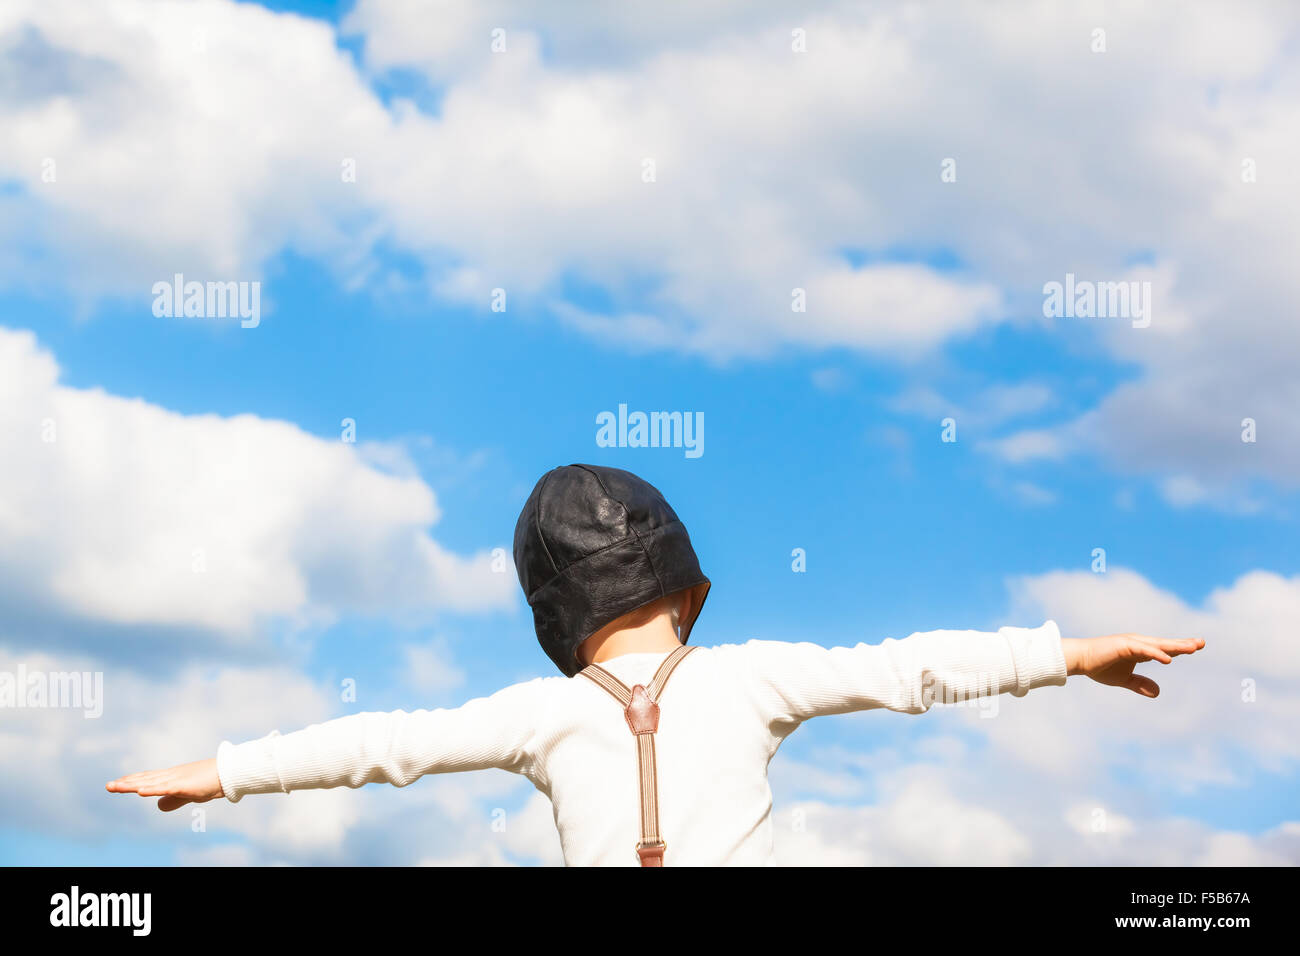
(796, 681)
(396, 748)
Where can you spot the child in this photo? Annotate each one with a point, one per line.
(615, 589)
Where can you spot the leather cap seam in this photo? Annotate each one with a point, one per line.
(599, 551)
(537, 521)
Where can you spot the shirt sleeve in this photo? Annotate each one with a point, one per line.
(397, 747)
(795, 681)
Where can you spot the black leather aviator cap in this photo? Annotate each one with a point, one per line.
(592, 544)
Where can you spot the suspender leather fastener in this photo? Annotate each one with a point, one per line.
(642, 713)
(651, 854)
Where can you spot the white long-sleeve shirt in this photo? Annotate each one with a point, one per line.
(725, 712)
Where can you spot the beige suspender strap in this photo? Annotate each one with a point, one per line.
(666, 669)
(605, 679)
(641, 710)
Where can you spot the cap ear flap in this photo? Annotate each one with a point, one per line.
(695, 598)
(684, 609)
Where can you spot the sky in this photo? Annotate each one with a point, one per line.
(474, 227)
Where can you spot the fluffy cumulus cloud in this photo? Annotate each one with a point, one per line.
(146, 133)
(1087, 776)
(134, 539)
(918, 821)
(208, 137)
(1224, 716)
(57, 759)
(116, 512)
(927, 821)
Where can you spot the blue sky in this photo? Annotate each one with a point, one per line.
(822, 430)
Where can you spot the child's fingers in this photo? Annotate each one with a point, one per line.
(1172, 646)
(131, 782)
(1142, 685)
(151, 783)
(1178, 648)
(1147, 652)
(160, 788)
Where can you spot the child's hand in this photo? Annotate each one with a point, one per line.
(187, 783)
(1110, 660)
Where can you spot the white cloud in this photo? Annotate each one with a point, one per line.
(1182, 490)
(1215, 356)
(963, 809)
(925, 823)
(1081, 775)
(829, 379)
(200, 138)
(56, 761)
(230, 854)
(577, 34)
(1090, 818)
(986, 408)
(1029, 445)
(1028, 493)
(430, 668)
(918, 821)
(1223, 714)
(118, 511)
(490, 818)
(770, 164)
(518, 148)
